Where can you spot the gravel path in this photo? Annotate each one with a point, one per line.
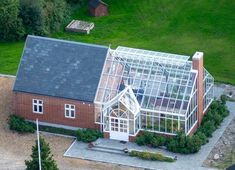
(223, 147)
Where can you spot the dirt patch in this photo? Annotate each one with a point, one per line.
(223, 153)
(15, 148)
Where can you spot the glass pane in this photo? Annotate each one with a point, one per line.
(67, 112)
(35, 108)
(72, 114)
(40, 108)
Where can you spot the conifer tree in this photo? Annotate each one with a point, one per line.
(47, 161)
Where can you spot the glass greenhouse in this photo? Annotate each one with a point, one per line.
(148, 90)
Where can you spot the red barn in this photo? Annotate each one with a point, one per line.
(98, 8)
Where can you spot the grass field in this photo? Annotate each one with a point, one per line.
(179, 26)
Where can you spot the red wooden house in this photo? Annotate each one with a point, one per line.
(98, 8)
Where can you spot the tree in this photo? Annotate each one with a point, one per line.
(56, 13)
(43, 17)
(11, 27)
(31, 12)
(46, 157)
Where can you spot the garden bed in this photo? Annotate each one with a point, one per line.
(80, 26)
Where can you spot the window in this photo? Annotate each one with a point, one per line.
(69, 110)
(37, 106)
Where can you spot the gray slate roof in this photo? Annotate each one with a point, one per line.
(60, 68)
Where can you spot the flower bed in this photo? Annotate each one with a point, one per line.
(150, 156)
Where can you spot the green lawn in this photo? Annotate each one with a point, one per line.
(178, 26)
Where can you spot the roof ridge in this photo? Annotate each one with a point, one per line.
(152, 51)
(67, 41)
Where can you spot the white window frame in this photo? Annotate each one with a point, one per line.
(70, 109)
(38, 103)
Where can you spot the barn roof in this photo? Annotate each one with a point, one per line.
(95, 3)
(60, 68)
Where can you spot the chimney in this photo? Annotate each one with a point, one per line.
(198, 65)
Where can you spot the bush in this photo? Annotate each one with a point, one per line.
(150, 156)
(223, 99)
(145, 139)
(202, 136)
(88, 135)
(19, 124)
(195, 145)
(158, 141)
(155, 142)
(140, 140)
(208, 128)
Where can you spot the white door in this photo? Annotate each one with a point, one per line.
(119, 129)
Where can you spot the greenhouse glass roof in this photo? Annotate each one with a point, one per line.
(161, 82)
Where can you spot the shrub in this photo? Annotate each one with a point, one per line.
(214, 105)
(172, 145)
(223, 99)
(217, 119)
(57, 130)
(158, 141)
(155, 142)
(148, 137)
(208, 128)
(88, 135)
(195, 145)
(19, 124)
(150, 156)
(202, 136)
(140, 140)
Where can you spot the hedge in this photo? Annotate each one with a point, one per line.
(150, 156)
(189, 144)
(57, 130)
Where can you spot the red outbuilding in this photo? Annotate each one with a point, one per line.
(98, 8)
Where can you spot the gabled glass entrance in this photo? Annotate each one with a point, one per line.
(121, 115)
